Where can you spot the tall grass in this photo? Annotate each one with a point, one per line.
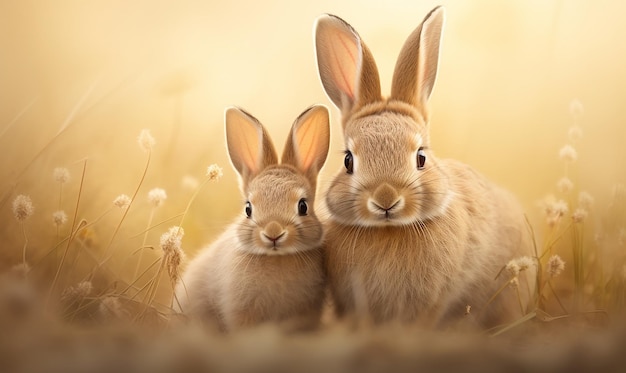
(579, 259)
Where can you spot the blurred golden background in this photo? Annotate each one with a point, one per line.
(80, 79)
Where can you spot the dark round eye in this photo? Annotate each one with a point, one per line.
(348, 162)
(302, 207)
(421, 158)
(248, 209)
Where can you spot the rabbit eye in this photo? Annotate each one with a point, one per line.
(302, 207)
(421, 159)
(348, 162)
(248, 209)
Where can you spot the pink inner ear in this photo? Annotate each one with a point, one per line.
(307, 143)
(244, 142)
(345, 53)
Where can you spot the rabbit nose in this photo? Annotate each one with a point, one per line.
(385, 198)
(273, 231)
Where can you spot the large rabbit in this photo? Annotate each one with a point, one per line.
(410, 237)
(268, 265)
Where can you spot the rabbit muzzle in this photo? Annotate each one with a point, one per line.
(385, 201)
(273, 234)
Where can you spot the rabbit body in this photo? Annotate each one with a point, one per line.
(235, 289)
(429, 271)
(268, 265)
(410, 237)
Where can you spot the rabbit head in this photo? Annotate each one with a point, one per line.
(279, 217)
(390, 176)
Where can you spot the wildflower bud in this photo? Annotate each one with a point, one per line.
(525, 262)
(77, 292)
(575, 133)
(565, 185)
(576, 108)
(59, 217)
(110, 308)
(145, 140)
(156, 197)
(61, 175)
(22, 207)
(560, 208)
(513, 268)
(585, 200)
(579, 215)
(555, 266)
(568, 153)
(173, 254)
(214, 172)
(122, 201)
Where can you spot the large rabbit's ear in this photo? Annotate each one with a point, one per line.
(249, 146)
(416, 70)
(345, 64)
(308, 142)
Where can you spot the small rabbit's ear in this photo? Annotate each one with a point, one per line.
(249, 146)
(347, 69)
(308, 142)
(416, 69)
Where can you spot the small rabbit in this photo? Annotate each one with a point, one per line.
(410, 237)
(268, 265)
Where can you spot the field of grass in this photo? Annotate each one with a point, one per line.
(114, 172)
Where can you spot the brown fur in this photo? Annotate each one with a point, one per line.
(409, 244)
(244, 278)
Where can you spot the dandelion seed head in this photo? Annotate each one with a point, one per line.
(585, 200)
(79, 291)
(565, 185)
(514, 283)
(560, 208)
(579, 215)
(61, 175)
(145, 140)
(555, 266)
(575, 133)
(189, 183)
(525, 262)
(547, 204)
(214, 172)
(23, 207)
(553, 207)
(157, 196)
(110, 308)
(122, 201)
(576, 108)
(172, 239)
(513, 268)
(173, 262)
(171, 242)
(59, 218)
(568, 153)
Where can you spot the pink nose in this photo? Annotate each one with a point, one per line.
(273, 232)
(274, 238)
